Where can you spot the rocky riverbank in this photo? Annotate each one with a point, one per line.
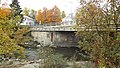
(20, 64)
(58, 58)
(37, 64)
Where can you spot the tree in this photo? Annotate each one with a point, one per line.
(45, 15)
(63, 14)
(32, 13)
(39, 16)
(56, 14)
(4, 12)
(98, 39)
(12, 35)
(26, 11)
(49, 15)
(29, 12)
(8, 45)
(16, 10)
(16, 18)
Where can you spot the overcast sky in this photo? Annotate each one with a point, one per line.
(65, 5)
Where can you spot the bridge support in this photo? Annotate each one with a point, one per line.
(60, 39)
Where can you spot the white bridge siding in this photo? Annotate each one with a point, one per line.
(60, 39)
(71, 28)
(52, 28)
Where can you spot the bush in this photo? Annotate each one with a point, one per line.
(51, 60)
(44, 52)
(55, 61)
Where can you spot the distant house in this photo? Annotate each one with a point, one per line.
(28, 21)
(68, 20)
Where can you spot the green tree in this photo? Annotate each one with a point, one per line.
(26, 11)
(32, 13)
(63, 14)
(98, 39)
(16, 10)
(19, 32)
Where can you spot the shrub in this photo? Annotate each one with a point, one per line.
(51, 60)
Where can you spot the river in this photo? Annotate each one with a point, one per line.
(68, 52)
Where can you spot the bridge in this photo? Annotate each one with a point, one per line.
(59, 35)
(70, 28)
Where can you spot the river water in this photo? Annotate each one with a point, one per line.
(68, 52)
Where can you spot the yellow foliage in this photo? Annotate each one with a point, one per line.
(8, 45)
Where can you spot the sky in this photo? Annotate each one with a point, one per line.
(69, 6)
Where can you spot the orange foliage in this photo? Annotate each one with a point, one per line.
(39, 16)
(56, 14)
(48, 16)
(4, 12)
(45, 15)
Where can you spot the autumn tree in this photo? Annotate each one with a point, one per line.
(39, 16)
(98, 38)
(45, 15)
(12, 35)
(56, 14)
(8, 45)
(50, 15)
